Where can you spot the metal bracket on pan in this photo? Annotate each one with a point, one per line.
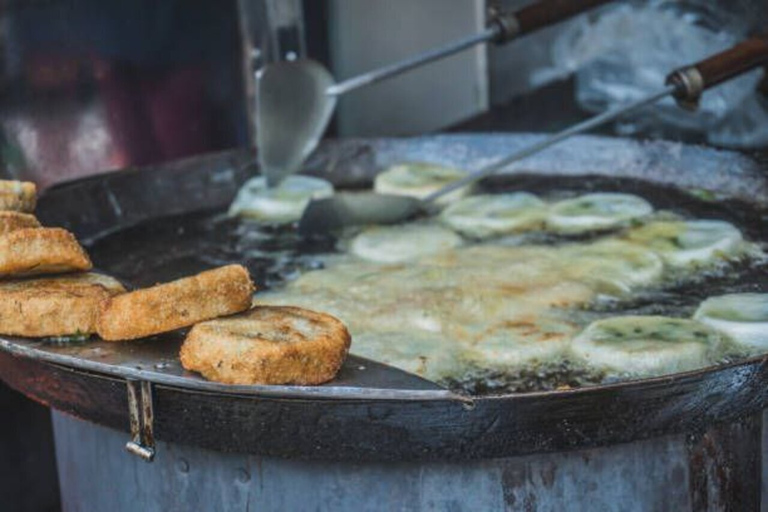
(141, 414)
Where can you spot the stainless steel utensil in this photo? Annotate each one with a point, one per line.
(685, 84)
(295, 99)
(292, 111)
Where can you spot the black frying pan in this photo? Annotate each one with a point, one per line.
(372, 411)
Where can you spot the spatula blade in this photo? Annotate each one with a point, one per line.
(292, 113)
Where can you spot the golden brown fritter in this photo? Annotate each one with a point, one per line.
(11, 221)
(165, 307)
(54, 306)
(268, 345)
(20, 196)
(33, 251)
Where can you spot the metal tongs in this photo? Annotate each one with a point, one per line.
(295, 99)
(686, 85)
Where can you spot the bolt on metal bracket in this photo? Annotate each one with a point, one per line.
(141, 416)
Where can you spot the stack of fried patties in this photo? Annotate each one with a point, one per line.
(47, 291)
(45, 287)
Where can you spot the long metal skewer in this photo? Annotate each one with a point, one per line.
(405, 65)
(503, 27)
(576, 129)
(686, 85)
(295, 100)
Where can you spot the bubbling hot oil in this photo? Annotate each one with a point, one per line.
(276, 256)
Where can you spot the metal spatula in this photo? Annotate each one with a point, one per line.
(292, 112)
(295, 99)
(685, 84)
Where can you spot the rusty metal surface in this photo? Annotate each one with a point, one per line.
(141, 418)
(665, 474)
(400, 415)
(726, 466)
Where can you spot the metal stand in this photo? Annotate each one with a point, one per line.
(719, 470)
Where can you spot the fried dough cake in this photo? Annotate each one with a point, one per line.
(181, 303)
(268, 345)
(20, 196)
(54, 306)
(11, 221)
(32, 251)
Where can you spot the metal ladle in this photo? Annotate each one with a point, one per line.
(685, 84)
(295, 99)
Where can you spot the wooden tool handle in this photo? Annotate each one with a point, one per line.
(691, 81)
(549, 12)
(730, 63)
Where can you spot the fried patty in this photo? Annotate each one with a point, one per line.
(32, 251)
(54, 306)
(20, 196)
(268, 345)
(181, 303)
(11, 221)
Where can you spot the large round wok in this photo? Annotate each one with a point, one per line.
(372, 411)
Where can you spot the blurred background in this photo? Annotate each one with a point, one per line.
(87, 86)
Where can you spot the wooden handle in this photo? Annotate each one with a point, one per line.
(691, 81)
(549, 12)
(741, 58)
